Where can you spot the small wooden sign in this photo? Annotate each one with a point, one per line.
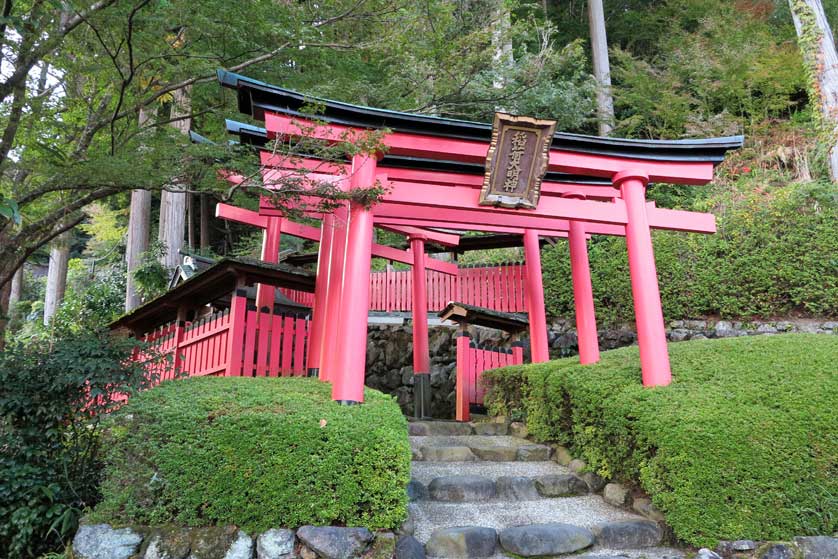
(517, 161)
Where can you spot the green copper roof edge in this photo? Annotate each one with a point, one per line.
(237, 81)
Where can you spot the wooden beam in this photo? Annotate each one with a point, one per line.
(471, 151)
(249, 217)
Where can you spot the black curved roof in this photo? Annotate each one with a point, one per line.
(255, 97)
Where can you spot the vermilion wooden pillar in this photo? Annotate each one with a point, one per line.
(421, 352)
(539, 347)
(651, 334)
(328, 350)
(321, 289)
(348, 377)
(270, 253)
(583, 294)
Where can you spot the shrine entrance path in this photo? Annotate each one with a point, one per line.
(476, 475)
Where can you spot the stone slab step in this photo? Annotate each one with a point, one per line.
(586, 511)
(456, 428)
(425, 471)
(492, 448)
(470, 488)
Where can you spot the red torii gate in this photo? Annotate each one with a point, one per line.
(274, 227)
(443, 199)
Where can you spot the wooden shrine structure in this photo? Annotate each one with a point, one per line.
(515, 178)
(434, 171)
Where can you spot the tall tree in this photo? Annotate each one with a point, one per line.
(173, 200)
(602, 67)
(59, 257)
(139, 228)
(817, 45)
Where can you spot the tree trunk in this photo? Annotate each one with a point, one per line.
(173, 204)
(5, 306)
(502, 44)
(139, 229)
(602, 67)
(17, 288)
(818, 48)
(190, 220)
(205, 222)
(59, 256)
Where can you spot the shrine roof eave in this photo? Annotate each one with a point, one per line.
(216, 282)
(256, 97)
(480, 316)
(258, 137)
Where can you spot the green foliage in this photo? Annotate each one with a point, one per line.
(742, 444)
(9, 210)
(256, 452)
(52, 395)
(151, 277)
(773, 255)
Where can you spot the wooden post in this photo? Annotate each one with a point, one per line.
(321, 291)
(535, 299)
(328, 351)
(265, 294)
(180, 328)
(421, 353)
(583, 293)
(348, 380)
(235, 339)
(462, 386)
(651, 334)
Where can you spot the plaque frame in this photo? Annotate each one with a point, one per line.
(491, 193)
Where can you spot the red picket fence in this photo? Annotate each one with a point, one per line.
(301, 297)
(472, 360)
(500, 288)
(240, 341)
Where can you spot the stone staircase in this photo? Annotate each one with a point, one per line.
(476, 491)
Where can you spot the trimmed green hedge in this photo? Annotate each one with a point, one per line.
(742, 444)
(775, 253)
(258, 453)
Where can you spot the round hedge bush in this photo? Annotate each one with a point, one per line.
(742, 444)
(257, 453)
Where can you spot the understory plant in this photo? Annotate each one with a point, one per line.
(53, 394)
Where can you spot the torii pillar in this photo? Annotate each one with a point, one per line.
(265, 294)
(583, 293)
(321, 293)
(348, 376)
(421, 351)
(651, 333)
(539, 348)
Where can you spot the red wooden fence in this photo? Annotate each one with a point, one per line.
(239, 341)
(472, 360)
(500, 288)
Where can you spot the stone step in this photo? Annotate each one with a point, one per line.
(586, 511)
(512, 533)
(469, 488)
(456, 428)
(425, 471)
(468, 448)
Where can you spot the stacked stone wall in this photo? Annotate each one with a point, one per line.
(390, 350)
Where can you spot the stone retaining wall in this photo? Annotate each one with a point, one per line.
(390, 350)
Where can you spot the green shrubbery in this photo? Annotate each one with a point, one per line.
(742, 444)
(52, 394)
(774, 255)
(258, 453)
